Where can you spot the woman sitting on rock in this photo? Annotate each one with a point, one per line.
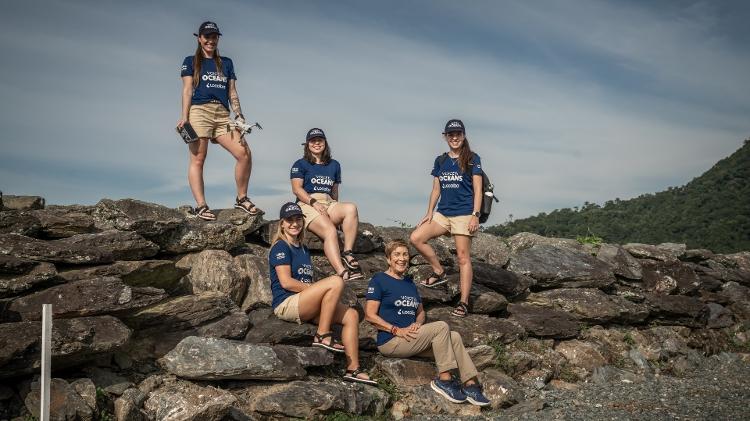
(457, 181)
(315, 182)
(297, 298)
(395, 308)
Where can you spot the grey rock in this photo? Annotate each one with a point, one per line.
(591, 305)
(255, 269)
(527, 240)
(304, 356)
(221, 359)
(406, 372)
(147, 219)
(141, 273)
(677, 310)
(196, 235)
(128, 406)
(500, 389)
(310, 399)
(674, 249)
(267, 328)
(482, 356)
(697, 255)
(215, 270)
(183, 312)
(536, 378)
(41, 274)
(65, 403)
(583, 355)
(233, 326)
(622, 262)
(555, 267)
(610, 374)
(107, 380)
(718, 316)
(22, 202)
(478, 329)
(245, 222)
(544, 323)
(180, 400)
(485, 248)
(482, 300)
(647, 251)
(65, 221)
(503, 281)
(73, 341)
(421, 400)
(10, 265)
(669, 277)
(86, 298)
(86, 389)
(21, 223)
(100, 248)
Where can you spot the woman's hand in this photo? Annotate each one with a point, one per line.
(414, 327)
(321, 208)
(426, 220)
(405, 333)
(181, 122)
(473, 224)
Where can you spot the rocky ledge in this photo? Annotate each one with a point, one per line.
(160, 316)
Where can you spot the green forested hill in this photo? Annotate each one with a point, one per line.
(711, 211)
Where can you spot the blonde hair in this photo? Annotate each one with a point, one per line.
(279, 234)
(393, 245)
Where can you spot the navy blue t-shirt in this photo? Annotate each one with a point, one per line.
(317, 178)
(298, 258)
(211, 86)
(456, 188)
(399, 301)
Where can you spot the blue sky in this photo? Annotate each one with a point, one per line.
(566, 102)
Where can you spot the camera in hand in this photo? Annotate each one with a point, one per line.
(187, 133)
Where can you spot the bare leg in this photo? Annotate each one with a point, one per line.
(318, 302)
(349, 319)
(463, 252)
(198, 151)
(419, 238)
(324, 228)
(345, 214)
(241, 152)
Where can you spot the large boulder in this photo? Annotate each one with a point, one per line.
(215, 270)
(406, 371)
(128, 406)
(64, 404)
(544, 322)
(73, 341)
(100, 248)
(677, 310)
(148, 219)
(623, 263)
(240, 219)
(65, 221)
(501, 280)
(88, 297)
(647, 251)
(527, 240)
(591, 305)
(10, 265)
(255, 269)
(482, 300)
(221, 359)
(555, 267)
(310, 399)
(478, 329)
(22, 203)
(196, 235)
(21, 223)
(181, 400)
(41, 274)
(500, 389)
(267, 328)
(669, 276)
(139, 273)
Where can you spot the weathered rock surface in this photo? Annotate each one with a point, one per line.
(544, 323)
(73, 341)
(42, 273)
(100, 248)
(22, 203)
(221, 359)
(527, 240)
(215, 270)
(406, 372)
(622, 262)
(89, 297)
(477, 329)
(267, 328)
(20, 223)
(182, 312)
(647, 251)
(500, 389)
(503, 281)
(196, 235)
(182, 400)
(583, 355)
(591, 305)
(65, 221)
(65, 403)
(669, 277)
(555, 267)
(678, 310)
(258, 293)
(422, 400)
(128, 406)
(142, 273)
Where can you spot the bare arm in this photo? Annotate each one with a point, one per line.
(335, 192)
(234, 99)
(187, 95)
(284, 272)
(434, 196)
(476, 181)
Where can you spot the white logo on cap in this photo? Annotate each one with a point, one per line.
(291, 208)
(316, 131)
(454, 124)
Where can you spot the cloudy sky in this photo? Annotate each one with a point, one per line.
(565, 102)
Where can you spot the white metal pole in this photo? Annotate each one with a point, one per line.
(46, 360)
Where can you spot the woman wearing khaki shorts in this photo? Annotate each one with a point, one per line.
(395, 308)
(315, 181)
(206, 95)
(457, 182)
(296, 298)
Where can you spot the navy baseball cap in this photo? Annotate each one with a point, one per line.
(289, 210)
(208, 28)
(313, 133)
(454, 125)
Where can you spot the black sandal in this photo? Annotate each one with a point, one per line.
(204, 213)
(351, 376)
(352, 264)
(318, 341)
(461, 310)
(351, 275)
(440, 279)
(247, 206)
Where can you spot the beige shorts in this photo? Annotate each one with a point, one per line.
(209, 120)
(456, 225)
(288, 310)
(310, 212)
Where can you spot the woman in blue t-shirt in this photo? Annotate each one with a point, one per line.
(297, 298)
(395, 308)
(209, 88)
(457, 182)
(315, 181)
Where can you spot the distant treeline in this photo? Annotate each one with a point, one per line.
(711, 211)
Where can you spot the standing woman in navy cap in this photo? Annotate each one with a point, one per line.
(208, 90)
(315, 181)
(296, 298)
(457, 182)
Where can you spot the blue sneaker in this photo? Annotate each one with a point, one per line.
(449, 389)
(474, 395)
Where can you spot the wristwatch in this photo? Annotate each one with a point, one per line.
(476, 214)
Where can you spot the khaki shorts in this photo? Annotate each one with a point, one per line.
(209, 120)
(310, 212)
(456, 225)
(288, 310)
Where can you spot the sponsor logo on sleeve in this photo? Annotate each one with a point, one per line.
(184, 67)
(295, 169)
(280, 255)
(370, 290)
